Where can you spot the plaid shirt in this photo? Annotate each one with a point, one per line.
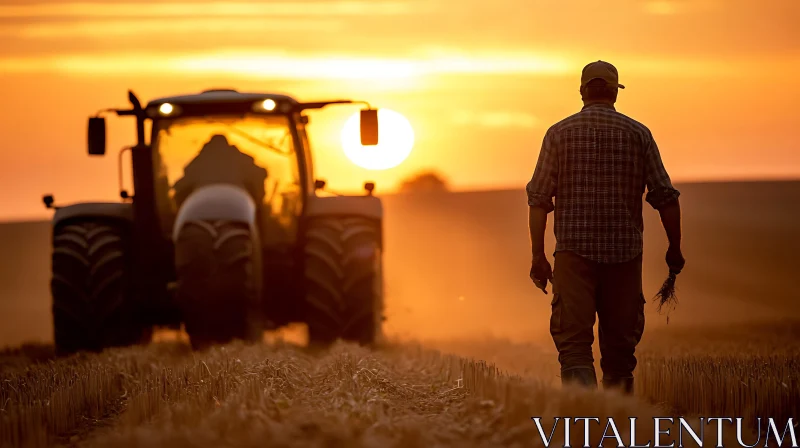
(596, 164)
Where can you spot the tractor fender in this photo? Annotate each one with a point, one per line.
(217, 202)
(114, 210)
(364, 206)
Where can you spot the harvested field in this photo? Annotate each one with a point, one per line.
(749, 371)
(164, 395)
(746, 371)
(403, 394)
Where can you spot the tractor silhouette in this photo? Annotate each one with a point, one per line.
(226, 232)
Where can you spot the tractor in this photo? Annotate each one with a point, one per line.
(226, 233)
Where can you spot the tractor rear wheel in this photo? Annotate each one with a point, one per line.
(93, 307)
(219, 282)
(343, 280)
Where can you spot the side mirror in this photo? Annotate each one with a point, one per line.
(369, 127)
(48, 200)
(97, 136)
(370, 187)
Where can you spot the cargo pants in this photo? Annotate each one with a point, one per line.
(582, 289)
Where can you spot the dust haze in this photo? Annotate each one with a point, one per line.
(457, 264)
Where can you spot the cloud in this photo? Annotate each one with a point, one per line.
(212, 9)
(675, 7)
(283, 64)
(132, 27)
(278, 64)
(495, 119)
(662, 7)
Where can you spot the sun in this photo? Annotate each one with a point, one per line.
(395, 141)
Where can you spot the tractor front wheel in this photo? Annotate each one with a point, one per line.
(219, 287)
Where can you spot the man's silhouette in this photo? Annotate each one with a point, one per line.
(597, 164)
(220, 162)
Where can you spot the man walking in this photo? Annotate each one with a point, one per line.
(597, 164)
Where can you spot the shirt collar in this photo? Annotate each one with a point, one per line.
(603, 105)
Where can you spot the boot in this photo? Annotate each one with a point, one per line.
(583, 376)
(625, 385)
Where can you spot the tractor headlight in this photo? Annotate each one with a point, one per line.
(166, 109)
(267, 105)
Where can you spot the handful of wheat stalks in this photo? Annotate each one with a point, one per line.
(666, 294)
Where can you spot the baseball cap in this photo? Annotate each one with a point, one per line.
(601, 70)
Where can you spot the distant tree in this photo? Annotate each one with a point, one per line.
(424, 182)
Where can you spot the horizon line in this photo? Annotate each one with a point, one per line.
(43, 217)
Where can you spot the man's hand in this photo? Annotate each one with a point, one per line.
(675, 259)
(541, 271)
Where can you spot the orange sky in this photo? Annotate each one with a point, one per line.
(715, 80)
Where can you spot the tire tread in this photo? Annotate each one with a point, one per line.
(92, 306)
(341, 256)
(217, 289)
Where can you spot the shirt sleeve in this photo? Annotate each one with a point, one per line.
(542, 187)
(660, 191)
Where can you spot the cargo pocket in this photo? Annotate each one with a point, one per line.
(555, 316)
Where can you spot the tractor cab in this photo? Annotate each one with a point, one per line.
(257, 141)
